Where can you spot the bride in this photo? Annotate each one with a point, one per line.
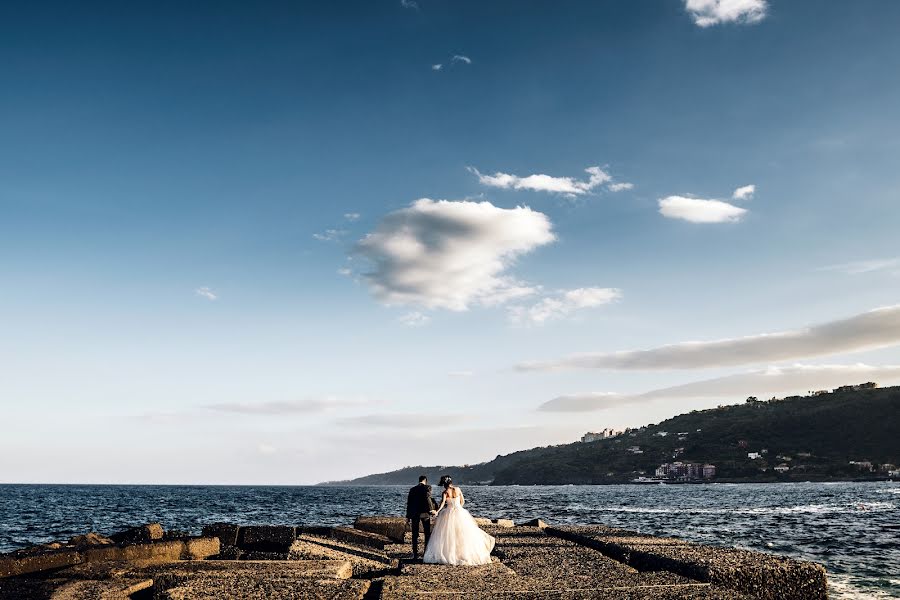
(456, 538)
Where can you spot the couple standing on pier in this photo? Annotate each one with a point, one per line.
(457, 539)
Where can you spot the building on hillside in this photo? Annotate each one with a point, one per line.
(782, 468)
(871, 385)
(634, 450)
(682, 471)
(753, 455)
(596, 436)
(863, 465)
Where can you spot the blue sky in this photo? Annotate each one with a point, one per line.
(276, 244)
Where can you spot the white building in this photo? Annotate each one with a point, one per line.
(603, 434)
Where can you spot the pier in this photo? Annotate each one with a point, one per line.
(372, 559)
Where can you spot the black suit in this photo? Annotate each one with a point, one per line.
(419, 505)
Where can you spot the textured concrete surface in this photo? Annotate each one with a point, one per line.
(310, 562)
(764, 576)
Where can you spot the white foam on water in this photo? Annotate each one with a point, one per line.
(761, 510)
(841, 587)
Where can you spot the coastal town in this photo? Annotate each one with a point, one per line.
(744, 454)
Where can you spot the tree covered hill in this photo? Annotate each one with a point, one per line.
(816, 436)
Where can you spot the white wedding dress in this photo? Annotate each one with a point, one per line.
(456, 538)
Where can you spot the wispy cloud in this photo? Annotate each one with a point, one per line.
(706, 13)
(409, 4)
(304, 406)
(406, 420)
(699, 210)
(206, 293)
(451, 254)
(562, 305)
(330, 235)
(456, 59)
(352, 216)
(461, 374)
(859, 267)
(873, 329)
(744, 192)
(345, 271)
(414, 319)
(266, 449)
(778, 380)
(568, 186)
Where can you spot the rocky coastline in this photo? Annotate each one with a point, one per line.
(371, 559)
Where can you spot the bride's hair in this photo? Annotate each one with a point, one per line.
(446, 481)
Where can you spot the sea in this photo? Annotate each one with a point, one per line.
(851, 528)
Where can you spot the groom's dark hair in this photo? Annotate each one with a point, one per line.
(423, 478)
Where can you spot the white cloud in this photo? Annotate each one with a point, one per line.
(698, 210)
(410, 4)
(437, 67)
(267, 449)
(330, 235)
(405, 421)
(414, 319)
(206, 293)
(744, 192)
(706, 13)
(859, 267)
(619, 187)
(352, 216)
(873, 329)
(562, 305)
(546, 183)
(776, 380)
(461, 374)
(345, 272)
(451, 255)
(457, 58)
(305, 406)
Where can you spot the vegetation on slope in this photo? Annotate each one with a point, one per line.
(819, 434)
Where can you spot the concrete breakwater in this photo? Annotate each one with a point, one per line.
(371, 559)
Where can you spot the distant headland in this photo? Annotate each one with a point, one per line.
(849, 433)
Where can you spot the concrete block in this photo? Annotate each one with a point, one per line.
(534, 523)
(267, 538)
(503, 523)
(150, 532)
(361, 538)
(201, 548)
(390, 527)
(226, 532)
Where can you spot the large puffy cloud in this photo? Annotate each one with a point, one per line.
(699, 210)
(562, 305)
(568, 186)
(444, 254)
(873, 329)
(793, 379)
(706, 13)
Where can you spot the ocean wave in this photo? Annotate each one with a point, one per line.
(843, 587)
(757, 510)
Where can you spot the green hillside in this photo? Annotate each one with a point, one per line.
(820, 435)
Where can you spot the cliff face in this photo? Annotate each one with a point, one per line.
(816, 436)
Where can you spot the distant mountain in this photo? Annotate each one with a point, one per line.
(816, 436)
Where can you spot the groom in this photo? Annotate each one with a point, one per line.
(419, 508)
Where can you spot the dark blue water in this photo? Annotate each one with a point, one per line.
(851, 528)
